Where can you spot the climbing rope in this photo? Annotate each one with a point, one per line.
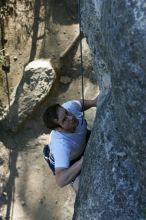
(81, 55)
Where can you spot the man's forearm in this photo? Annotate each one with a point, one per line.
(88, 104)
(65, 176)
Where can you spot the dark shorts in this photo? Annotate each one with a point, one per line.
(50, 159)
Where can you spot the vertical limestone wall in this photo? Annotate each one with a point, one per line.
(113, 184)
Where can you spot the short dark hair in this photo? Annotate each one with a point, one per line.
(50, 115)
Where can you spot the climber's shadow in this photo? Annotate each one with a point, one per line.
(15, 143)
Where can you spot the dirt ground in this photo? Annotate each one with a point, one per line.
(28, 188)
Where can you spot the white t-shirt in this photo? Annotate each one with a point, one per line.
(68, 146)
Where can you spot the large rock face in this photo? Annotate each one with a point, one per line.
(35, 85)
(113, 184)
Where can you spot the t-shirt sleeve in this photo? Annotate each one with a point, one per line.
(62, 157)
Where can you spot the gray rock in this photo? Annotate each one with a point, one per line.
(65, 79)
(35, 85)
(113, 182)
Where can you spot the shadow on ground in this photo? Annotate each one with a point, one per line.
(31, 190)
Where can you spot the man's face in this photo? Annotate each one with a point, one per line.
(66, 120)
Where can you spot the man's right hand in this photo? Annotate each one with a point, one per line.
(65, 176)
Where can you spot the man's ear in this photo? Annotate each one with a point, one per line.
(57, 125)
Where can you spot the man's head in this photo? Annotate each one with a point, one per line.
(58, 118)
(50, 115)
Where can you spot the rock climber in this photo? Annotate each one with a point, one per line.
(67, 140)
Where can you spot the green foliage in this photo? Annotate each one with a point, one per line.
(3, 3)
(1, 85)
(1, 61)
(6, 8)
(2, 58)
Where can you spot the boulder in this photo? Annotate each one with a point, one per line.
(34, 86)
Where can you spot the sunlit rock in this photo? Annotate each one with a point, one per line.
(113, 183)
(35, 85)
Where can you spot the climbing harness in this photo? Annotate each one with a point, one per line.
(81, 54)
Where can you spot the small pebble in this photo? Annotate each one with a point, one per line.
(74, 69)
(5, 194)
(65, 79)
(15, 58)
(22, 203)
(41, 201)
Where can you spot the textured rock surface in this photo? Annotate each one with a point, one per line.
(34, 86)
(113, 185)
(72, 5)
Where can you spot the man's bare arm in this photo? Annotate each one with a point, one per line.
(89, 103)
(95, 102)
(65, 176)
